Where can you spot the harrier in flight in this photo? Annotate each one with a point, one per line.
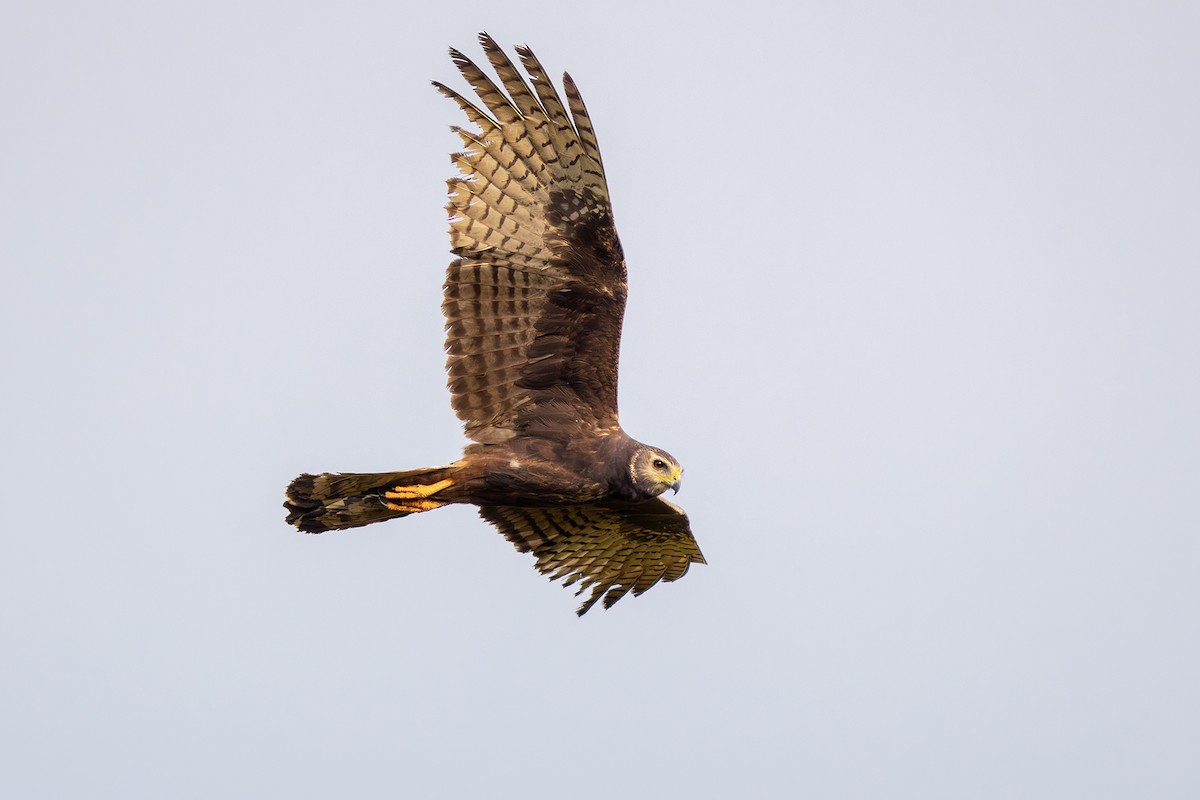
(533, 307)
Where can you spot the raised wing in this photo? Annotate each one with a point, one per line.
(534, 302)
(610, 548)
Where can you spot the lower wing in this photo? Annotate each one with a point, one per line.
(611, 548)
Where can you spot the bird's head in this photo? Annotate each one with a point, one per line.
(653, 471)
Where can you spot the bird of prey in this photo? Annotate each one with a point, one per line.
(533, 306)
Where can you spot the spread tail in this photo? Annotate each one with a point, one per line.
(332, 501)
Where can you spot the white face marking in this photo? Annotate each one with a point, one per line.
(514, 464)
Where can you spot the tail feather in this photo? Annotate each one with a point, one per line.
(333, 501)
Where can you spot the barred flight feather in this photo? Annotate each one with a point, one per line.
(608, 548)
(536, 299)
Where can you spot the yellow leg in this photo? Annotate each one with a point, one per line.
(415, 498)
(417, 491)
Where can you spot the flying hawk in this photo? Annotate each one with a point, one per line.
(533, 307)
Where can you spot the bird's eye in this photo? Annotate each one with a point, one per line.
(660, 464)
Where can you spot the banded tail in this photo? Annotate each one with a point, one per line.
(333, 501)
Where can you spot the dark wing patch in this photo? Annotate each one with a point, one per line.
(610, 548)
(534, 303)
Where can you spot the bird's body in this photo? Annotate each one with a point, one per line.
(533, 310)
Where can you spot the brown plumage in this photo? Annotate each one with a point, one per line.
(533, 308)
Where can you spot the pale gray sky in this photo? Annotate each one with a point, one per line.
(915, 297)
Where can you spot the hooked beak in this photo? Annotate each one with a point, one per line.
(676, 479)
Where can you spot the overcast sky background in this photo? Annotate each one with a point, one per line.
(914, 296)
